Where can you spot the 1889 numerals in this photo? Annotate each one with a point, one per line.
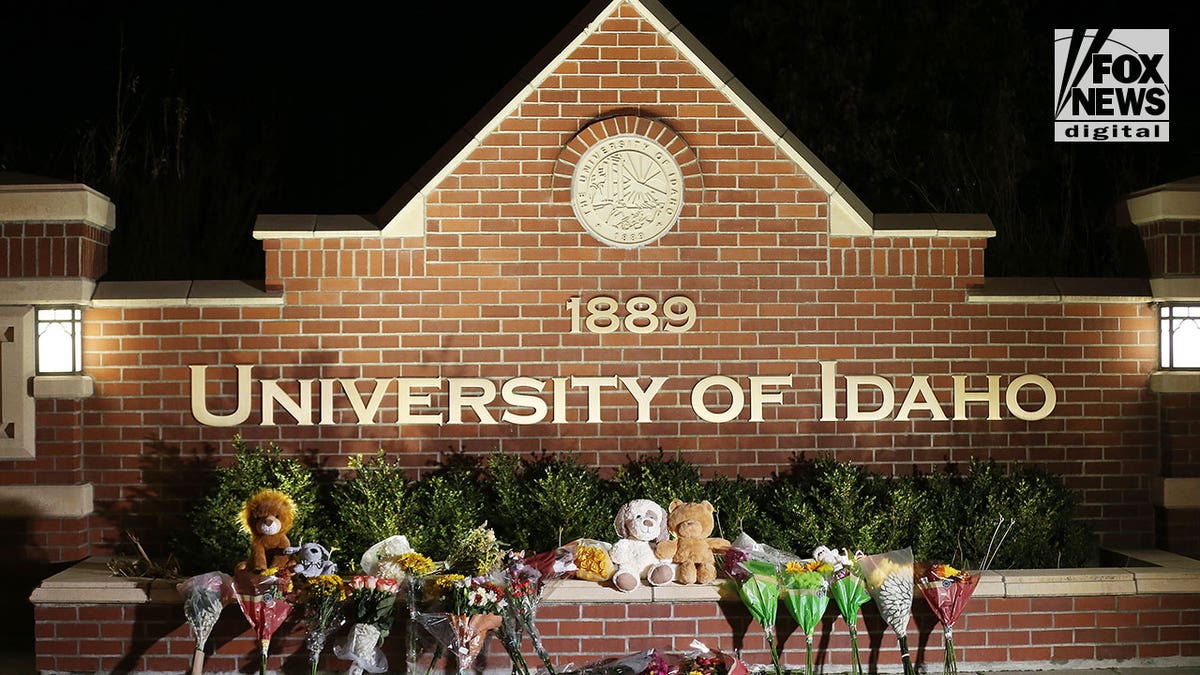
(642, 315)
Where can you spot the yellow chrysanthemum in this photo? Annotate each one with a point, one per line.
(415, 563)
(793, 567)
(593, 560)
(448, 580)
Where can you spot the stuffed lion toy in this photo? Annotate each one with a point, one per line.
(267, 517)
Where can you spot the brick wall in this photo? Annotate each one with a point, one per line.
(993, 631)
(53, 250)
(1172, 247)
(483, 294)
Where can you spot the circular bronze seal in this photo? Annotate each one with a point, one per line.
(627, 190)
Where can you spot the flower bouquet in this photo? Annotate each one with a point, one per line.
(475, 605)
(760, 593)
(947, 591)
(370, 607)
(410, 569)
(262, 599)
(321, 599)
(806, 595)
(204, 597)
(889, 578)
(522, 591)
(849, 592)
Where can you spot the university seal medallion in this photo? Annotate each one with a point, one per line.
(627, 190)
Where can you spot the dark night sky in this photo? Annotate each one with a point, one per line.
(349, 101)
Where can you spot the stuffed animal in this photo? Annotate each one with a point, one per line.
(267, 517)
(640, 523)
(692, 549)
(312, 560)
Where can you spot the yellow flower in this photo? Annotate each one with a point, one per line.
(415, 563)
(793, 567)
(593, 562)
(448, 580)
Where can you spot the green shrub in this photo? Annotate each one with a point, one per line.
(449, 503)
(659, 479)
(217, 541)
(549, 500)
(737, 504)
(377, 501)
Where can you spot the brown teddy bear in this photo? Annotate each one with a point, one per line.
(267, 517)
(692, 549)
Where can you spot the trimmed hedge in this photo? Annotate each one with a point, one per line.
(535, 503)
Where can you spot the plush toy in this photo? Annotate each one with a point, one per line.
(640, 523)
(267, 517)
(312, 560)
(692, 549)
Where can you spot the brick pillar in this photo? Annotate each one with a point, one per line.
(53, 247)
(1168, 219)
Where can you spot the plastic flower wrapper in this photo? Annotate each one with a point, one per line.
(947, 591)
(410, 569)
(848, 590)
(204, 597)
(391, 547)
(475, 606)
(262, 601)
(370, 608)
(760, 593)
(806, 595)
(522, 591)
(649, 662)
(889, 578)
(698, 659)
(321, 599)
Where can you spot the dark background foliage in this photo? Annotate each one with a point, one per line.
(196, 117)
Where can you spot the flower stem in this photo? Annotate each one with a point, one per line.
(774, 652)
(855, 661)
(908, 666)
(808, 655)
(950, 667)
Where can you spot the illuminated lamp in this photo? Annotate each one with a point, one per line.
(1179, 331)
(59, 341)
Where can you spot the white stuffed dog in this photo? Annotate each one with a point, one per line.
(641, 524)
(312, 559)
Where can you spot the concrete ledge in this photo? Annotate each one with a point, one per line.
(1175, 381)
(306, 226)
(90, 582)
(972, 225)
(63, 386)
(56, 203)
(1061, 290)
(1176, 493)
(1174, 201)
(1175, 289)
(46, 291)
(183, 294)
(46, 501)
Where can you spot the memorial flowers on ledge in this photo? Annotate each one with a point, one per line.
(475, 605)
(806, 595)
(204, 598)
(370, 607)
(760, 593)
(320, 598)
(849, 592)
(522, 593)
(889, 578)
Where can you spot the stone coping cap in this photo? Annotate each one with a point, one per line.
(223, 293)
(1179, 200)
(56, 202)
(1061, 290)
(90, 582)
(933, 225)
(288, 226)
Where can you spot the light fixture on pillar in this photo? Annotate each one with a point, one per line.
(59, 341)
(1179, 336)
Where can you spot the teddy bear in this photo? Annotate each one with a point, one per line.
(641, 524)
(692, 549)
(267, 517)
(312, 560)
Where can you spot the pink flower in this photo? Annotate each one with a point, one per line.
(387, 585)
